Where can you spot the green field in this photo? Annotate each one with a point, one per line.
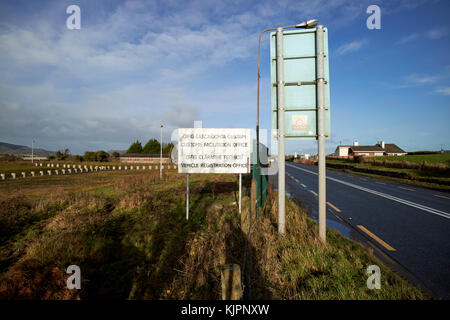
(430, 158)
(128, 233)
(427, 171)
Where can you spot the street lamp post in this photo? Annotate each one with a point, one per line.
(160, 156)
(32, 151)
(280, 105)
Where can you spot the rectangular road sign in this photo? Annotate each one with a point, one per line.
(299, 53)
(214, 150)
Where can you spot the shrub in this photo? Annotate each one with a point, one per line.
(78, 158)
(9, 157)
(358, 159)
(63, 155)
(89, 156)
(101, 156)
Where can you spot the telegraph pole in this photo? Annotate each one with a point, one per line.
(32, 152)
(160, 157)
(281, 151)
(321, 131)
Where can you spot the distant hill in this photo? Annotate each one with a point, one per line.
(14, 149)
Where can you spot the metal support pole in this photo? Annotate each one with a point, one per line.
(187, 196)
(281, 151)
(32, 151)
(240, 192)
(160, 157)
(321, 132)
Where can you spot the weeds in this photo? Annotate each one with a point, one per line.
(130, 237)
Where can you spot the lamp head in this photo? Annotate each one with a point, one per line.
(308, 24)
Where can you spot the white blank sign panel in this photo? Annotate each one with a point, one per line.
(213, 150)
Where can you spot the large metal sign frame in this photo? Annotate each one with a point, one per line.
(301, 99)
(300, 83)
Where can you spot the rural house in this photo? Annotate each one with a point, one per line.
(378, 150)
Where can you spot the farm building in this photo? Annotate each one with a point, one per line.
(144, 158)
(35, 158)
(378, 150)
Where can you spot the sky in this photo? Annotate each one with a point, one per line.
(137, 64)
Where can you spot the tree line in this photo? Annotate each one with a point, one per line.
(151, 147)
(100, 156)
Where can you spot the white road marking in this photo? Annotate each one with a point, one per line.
(406, 189)
(443, 197)
(384, 195)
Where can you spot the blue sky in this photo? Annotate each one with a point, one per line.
(135, 64)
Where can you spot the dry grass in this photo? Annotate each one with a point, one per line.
(296, 266)
(125, 235)
(129, 235)
(30, 280)
(219, 243)
(299, 266)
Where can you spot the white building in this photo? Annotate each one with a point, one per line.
(378, 150)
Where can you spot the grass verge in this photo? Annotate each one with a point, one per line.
(413, 177)
(129, 235)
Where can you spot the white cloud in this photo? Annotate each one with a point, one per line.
(437, 33)
(136, 64)
(409, 38)
(115, 81)
(350, 47)
(92, 119)
(417, 79)
(445, 91)
(433, 34)
(422, 79)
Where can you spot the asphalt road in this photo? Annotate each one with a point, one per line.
(408, 223)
